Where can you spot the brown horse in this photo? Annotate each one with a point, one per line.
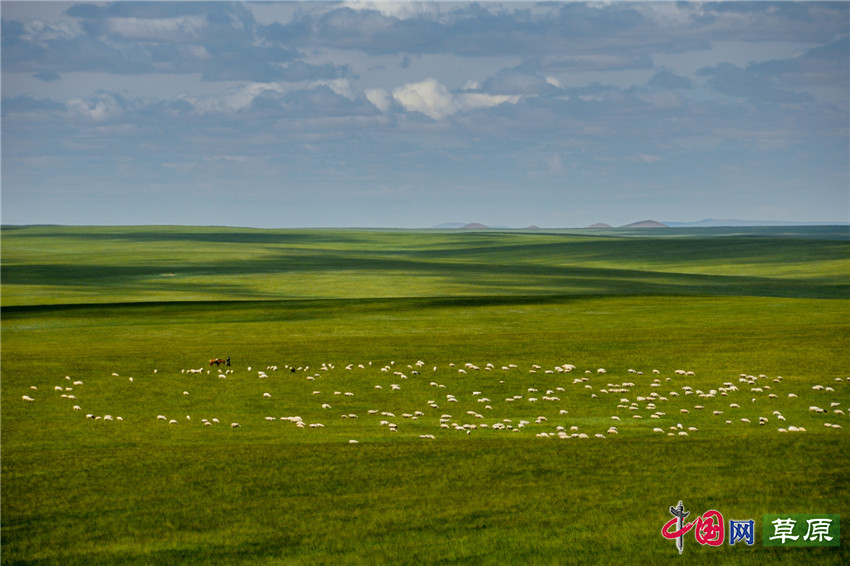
(216, 361)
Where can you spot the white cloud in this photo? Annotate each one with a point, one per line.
(199, 52)
(40, 32)
(233, 99)
(433, 99)
(380, 98)
(475, 100)
(398, 10)
(428, 97)
(97, 109)
(340, 86)
(180, 29)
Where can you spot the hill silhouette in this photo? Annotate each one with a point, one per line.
(645, 224)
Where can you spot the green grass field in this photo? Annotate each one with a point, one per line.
(760, 316)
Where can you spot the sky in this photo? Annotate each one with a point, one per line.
(415, 114)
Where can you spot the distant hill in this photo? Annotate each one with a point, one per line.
(600, 225)
(461, 226)
(645, 224)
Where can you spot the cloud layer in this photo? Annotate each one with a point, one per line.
(359, 114)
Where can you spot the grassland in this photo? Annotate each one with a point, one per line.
(102, 305)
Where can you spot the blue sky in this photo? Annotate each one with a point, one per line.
(406, 114)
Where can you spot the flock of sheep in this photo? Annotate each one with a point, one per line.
(449, 402)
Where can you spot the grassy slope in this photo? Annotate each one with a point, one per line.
(77, 265)
(80, 491)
